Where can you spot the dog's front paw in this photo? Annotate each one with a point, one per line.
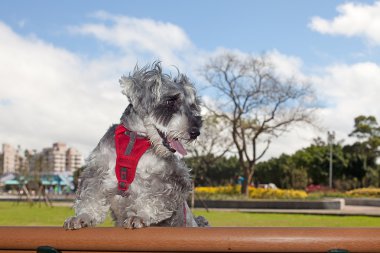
(201, 221)
(134, 222)
(77, 222)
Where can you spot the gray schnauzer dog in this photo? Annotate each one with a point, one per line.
(164, 111)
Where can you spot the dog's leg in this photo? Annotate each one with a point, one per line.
(135, 222)
(91, 206)
(97, 186)
(79, 221)
(202, 221)
(189, 220)
(183, 217)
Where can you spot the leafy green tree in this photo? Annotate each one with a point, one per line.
(366, 129)
(270, 172)
(315, 159)
(354, 165)
(356, 161)
(282, 172)
(305, 166)
(365, 151)
(221, 171)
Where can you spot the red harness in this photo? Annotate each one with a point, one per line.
(129, 149)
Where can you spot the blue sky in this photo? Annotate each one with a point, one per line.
(250, 26)
(52, 45)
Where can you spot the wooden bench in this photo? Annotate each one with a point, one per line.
(28, 239)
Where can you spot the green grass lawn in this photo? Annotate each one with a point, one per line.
(22, 214)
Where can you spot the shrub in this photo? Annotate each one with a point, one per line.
(326, 194)
(261, 193)
(255, 193)
(365, 192)
(230, 189)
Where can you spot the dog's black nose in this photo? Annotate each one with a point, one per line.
(194, 132)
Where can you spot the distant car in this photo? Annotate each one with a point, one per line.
(267, 186)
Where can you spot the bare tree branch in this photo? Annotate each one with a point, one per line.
(260, 103)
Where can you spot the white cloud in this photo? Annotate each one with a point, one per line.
(162, 40)
(354, 19)
(50, 94)
(351, 90)
(286, 65)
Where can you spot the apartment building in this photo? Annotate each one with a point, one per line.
(58, 158)
(54, 158)
(11, 160)
(74, 159)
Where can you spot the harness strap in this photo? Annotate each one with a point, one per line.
(129, 149)
(184, 214)
(131, 143)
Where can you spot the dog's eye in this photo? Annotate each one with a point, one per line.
(171, 101)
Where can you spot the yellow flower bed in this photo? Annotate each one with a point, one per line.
(255, 193)
(365, 192)
(261, 193)
(230, 189)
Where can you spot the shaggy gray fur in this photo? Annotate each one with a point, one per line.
(165, 110)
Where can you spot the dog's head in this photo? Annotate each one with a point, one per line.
(169, 107)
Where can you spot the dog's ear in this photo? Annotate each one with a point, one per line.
(128, 86)
(154, 83)
(143, 86)
(132, 86)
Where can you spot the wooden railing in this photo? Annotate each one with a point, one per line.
(28, 239)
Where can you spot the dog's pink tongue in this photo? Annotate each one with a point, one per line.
(177, 145)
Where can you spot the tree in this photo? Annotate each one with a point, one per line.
(214, 142)
(365, 151)
(257, 104)
(223, 171)
(365, 128)
(306, 166)
(315, 160)
(283, 172)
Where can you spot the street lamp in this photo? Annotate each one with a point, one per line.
(330, 140)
